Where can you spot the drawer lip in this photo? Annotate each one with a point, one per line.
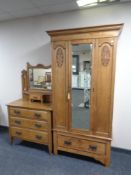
(23, 118)
(18, 108)
(76, 147)
(26, 129)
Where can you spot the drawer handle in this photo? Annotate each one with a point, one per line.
(18, 122)
(67, 142)
(92, 147)
(38, 137)
(37, 115)
(18, 133)
(16, 112)
(38, 125)
(35, 97)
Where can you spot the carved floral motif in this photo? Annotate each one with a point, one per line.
(105, 56)
(59, 57)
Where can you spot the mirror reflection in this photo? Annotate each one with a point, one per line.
(40, 78)
(81, 85)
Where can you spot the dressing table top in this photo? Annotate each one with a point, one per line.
(22, 103)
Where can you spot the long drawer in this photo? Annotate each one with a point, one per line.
(27, 123)
(81, 144)
(31, 135)
(31, 114)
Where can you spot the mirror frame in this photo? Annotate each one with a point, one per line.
(38, 66)
(26, 91)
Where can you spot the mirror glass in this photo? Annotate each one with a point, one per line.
(81, 85)
(40, 78)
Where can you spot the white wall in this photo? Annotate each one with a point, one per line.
(21, 41)
(26, 40)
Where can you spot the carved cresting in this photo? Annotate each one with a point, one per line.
(60, 56)
(105, 55)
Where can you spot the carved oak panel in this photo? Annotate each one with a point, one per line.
(105, 55)
(60, 56)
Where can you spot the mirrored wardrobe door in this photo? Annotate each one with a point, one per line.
(81, 85)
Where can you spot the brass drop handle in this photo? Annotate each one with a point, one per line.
(35, 97)
(92, 147)
(38, 125)
(18, 133)
(16, 111)
(37, 115)
(38, 137)
(68, 96)
(67, 142)
(18, 122)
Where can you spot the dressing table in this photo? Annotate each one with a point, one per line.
(30, 117)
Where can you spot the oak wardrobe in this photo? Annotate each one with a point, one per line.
(83, 69)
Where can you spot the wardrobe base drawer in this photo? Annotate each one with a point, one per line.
(81, 145)
(30, 135)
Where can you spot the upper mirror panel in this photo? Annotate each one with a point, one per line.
(39, 77)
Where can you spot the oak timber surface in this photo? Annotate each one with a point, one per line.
(94, 142)
(21, 103)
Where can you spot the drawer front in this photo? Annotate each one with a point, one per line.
(18, 112)
(25, 134)
(82, 145)
(35, 97)
(26, 123)
(31, 114)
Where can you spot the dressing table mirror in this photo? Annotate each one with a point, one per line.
(36, 83)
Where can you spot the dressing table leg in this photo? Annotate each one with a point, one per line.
(55, 144)
(50, 148)
(11, 140)
(10, 137)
